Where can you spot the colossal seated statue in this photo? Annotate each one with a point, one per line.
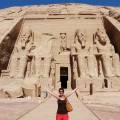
(43, 55)
(105, 50)
(80, 50)
(20, 56)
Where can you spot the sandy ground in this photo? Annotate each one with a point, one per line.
(11, 110)
(105, 105)
(106, 112)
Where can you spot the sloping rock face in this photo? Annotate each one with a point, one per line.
(61, 45)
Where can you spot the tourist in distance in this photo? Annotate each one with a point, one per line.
(62, 112)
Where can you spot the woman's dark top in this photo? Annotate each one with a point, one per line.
(62, 107)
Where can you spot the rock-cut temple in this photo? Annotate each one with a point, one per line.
(55, 46)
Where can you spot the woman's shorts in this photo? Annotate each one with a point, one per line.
(61, 116)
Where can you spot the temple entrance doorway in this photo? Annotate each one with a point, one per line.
(105, 83)
(64, 76)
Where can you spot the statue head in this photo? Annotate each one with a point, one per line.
(63, 35)
(80, 37)
(102, 38)
(25, 38)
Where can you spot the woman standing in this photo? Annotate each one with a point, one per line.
(62, 113)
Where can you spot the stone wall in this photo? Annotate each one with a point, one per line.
(112, 27)
(49, 49)
(7, 45)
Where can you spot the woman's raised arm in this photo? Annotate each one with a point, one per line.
(72, 92)
(53, 94)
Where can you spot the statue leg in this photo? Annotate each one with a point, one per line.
(37, 65)
(53, 78)
(22, 67)
(81, 65)
(91, 66)
(75, 72)
(116, 64)
(13, 66)
(32, 71)
(47, 64)
(106, 65)
(47, 80)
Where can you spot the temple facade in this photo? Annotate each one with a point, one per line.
(62, 49)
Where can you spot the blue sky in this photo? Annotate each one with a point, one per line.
(8, 3)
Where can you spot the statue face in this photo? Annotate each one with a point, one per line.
(63, 35)
(81, 39)
(103, 38)
(24, 40)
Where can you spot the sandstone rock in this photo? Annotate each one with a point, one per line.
(53, 46)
